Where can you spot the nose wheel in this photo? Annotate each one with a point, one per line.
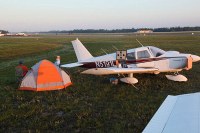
(177, 77)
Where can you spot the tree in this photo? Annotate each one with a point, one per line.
(4, 32)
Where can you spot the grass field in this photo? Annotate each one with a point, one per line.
(92, 104)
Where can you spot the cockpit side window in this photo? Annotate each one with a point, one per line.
(131, 56)
(143, 54)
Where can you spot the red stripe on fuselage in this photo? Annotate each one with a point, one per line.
(93, 64)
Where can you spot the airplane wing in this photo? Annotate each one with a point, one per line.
(177, 114)
(115, 70)
(72, 65)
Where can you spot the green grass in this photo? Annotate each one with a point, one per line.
(92, 104)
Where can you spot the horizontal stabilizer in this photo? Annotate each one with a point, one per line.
(71, 65)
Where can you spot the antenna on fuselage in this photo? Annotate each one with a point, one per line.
(114, 47)
(140, 43)
(104, 51)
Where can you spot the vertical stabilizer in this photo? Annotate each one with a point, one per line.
(81, 52)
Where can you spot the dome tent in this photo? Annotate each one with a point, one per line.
(45, 76)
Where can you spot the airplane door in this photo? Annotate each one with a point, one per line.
(143, 57)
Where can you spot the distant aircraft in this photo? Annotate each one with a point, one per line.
(146, 59)
(21, 34)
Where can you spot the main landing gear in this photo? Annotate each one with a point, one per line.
(129, 80)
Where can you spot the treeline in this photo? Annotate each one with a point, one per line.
(95, 31)
(176, 29)
(171, 29)
(3, 32)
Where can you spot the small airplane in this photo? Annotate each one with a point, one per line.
(21, 34)
(145, 59)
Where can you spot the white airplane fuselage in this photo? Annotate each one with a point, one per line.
(171, 61)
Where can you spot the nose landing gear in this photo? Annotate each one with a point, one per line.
(177, 77)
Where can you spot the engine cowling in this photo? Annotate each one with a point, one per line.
(178, 63)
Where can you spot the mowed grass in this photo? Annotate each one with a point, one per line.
(92, 104)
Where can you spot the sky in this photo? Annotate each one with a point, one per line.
(45, 15)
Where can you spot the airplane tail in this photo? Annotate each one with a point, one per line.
(81, 52)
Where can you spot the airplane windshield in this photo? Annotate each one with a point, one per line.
(156, 51)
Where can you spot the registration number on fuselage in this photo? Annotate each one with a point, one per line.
(103, 64)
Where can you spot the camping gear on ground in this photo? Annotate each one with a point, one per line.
(114, 81)
(45, 76)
